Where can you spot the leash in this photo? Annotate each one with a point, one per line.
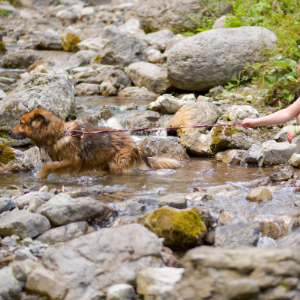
(80, 133)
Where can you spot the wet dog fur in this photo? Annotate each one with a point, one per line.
(114, 152)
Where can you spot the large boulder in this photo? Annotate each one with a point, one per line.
(200, 113)
(20, 59)
(151, 76)
(119, 48)
(213, 57)
(51, 40)
(86, 267)
(24, 224)
(160, 14)
(237, 113)
(49, 92)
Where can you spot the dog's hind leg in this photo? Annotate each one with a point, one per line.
(122, 163)
(61, 167)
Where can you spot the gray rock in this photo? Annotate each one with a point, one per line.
(24, 224)
(260, 194)
(24, 200)
(63, 209)
(87, 266)
(281, 136)
(134, 92)
(292, 239)
(295, 160)
(67, 16)
(51, 40)
(163, 147)
(191, 62)
(196, 143)
(132, 27)
(6, 204)
(237, 235)
(91, 44)
(253, 154)
(157, 14)
(34, 203)
(243, 273)
(49, 92)
(107, 89)
(64, 233)
(2, 94)
(281, 176)
(158, 283)
(266, 242)
(87, 89)
(160, 38)
(176, 200)
(9, 288)
(151, 76)
(20, 59)
(167, 104)
(230, 156)
(121, 291)
(237, 113)
(119, 48)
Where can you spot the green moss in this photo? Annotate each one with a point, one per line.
(181, 229)
(97, 59)
(7, 154)
(2, 48)
(70, 42)
(218, 143)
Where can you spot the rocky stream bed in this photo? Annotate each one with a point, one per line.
(224, 226)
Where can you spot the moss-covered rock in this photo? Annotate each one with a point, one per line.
(70, 41)
(7, 154)
(2, 48)
(97, 59)
(233, 138)
(180, 228)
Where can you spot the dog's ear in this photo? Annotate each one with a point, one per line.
(39, 118)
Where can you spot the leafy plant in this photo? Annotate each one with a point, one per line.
(3, 13)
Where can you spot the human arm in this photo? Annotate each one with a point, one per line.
(278, 117)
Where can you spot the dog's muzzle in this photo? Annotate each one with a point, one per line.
(17, 136)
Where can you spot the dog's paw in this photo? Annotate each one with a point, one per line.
(42, 175)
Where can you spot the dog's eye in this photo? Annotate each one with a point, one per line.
(21, 123)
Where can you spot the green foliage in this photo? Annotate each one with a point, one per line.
(70, 41)
(4, 13)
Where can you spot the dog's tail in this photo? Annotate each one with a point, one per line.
(145, 163)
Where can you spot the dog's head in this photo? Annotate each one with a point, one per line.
(29, 123)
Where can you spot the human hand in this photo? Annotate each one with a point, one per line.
(291, 134)
(248, 122)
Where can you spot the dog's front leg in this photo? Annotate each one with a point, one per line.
(56, 167)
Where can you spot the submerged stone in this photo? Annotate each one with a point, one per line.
(182, 229)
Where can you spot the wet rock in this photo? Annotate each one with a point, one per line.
(179, 228)
(9, 288)
(119, 48)
(200, 113)
(160, 38)
(260, 194)
(233, 138)
(24, 200)
(63, 209)
(271, 226)
(87, 89)
(141, 119)
(292, 239)
(281, 136)
(118, 253)
(237, 113)
(280, 176)
(176, 200)
(6, 204)
(196, 143)
(253, 154)
(23, 224)
(51, 40)
(230, 156)
(192, 74)
(237, 235)
(158, 283)
(49, 92)
(20, 59)
(154, 15)
(162, 147)
(295, 160)
(244, 273)
(277, 153)
(64, 233)
(151, 76)
(135, 92)
(121, 291)
(167, 104)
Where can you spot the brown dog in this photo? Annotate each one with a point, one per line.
(114, 152)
